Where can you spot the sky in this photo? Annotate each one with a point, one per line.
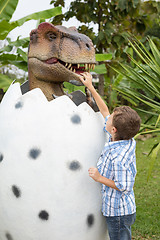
(26, 7)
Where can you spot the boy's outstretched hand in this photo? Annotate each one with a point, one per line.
(86, 79)
(93, 173)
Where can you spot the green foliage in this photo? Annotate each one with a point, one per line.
(5, 81)
(115, 19)
(69, 88)
(103, 57)
(6, 26)
(146, 76)
(24, 42)
(154, 153)
(7, 8)
(100, 69)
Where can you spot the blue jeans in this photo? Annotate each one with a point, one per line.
(119, 228)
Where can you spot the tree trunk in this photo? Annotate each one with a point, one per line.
(101, 85)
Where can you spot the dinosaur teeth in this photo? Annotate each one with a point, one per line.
(69, 66)
(92, 66)
(83, 67)
(86, 66)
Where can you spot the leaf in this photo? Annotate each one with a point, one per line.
(157, 121)
(135, 3)
(103, 57)
(122, 5)
(46, 14)
(155, 51)
(147, 132)
(7, 48)
(133, 94)
(5, 81)
(6, 27)
(24, 42)
(145, 55)
(118, 79)
(21, 65)
(134, 76)
(154, 152)
(18, 61)
(100, 69)
(22, 54)
(8, 57)
(145, 76)
(71, 88)
(147, 112)
(7, 8)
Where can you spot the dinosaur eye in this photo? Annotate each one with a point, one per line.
(87, 45)
(51, 36)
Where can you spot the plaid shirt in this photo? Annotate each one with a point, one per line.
(118, 163)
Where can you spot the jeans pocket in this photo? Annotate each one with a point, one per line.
(129, 219)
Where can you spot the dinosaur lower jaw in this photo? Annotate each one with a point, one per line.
(76, 68)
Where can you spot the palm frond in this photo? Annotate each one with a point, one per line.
(146, 75)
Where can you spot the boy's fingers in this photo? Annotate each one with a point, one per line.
(81, 79)
(83, 74)
(91, 169)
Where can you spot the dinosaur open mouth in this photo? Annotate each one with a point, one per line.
(76, 68)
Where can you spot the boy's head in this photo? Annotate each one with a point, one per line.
(125, 122)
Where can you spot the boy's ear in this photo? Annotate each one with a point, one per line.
(114, 129)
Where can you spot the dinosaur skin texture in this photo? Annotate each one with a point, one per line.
(57, 54)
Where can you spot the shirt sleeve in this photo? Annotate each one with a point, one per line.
(99, 163)
(105, 121)
(123, 177)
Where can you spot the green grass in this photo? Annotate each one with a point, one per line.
(147, 193)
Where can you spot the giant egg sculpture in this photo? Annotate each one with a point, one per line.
(46, 149)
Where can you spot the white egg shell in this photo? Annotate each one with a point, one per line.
(46, 149)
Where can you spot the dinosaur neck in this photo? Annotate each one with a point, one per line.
(48, 88)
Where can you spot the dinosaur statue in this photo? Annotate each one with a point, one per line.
(47, 146)
(57, 54)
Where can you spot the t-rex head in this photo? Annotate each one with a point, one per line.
(57, 54)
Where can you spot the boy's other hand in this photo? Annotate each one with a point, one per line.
(93, 173)
(86, 79)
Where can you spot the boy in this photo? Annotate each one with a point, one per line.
(116, 166)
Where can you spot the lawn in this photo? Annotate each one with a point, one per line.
(147, 193)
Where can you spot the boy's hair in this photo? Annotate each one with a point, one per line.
(126, 121)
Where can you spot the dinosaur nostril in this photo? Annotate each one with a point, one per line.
(33, 37)
(87, 45)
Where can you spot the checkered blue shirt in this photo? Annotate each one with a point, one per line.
(118, 163)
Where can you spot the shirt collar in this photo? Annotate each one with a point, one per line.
(119, 143)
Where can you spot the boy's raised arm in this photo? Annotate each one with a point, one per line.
(86, 79)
